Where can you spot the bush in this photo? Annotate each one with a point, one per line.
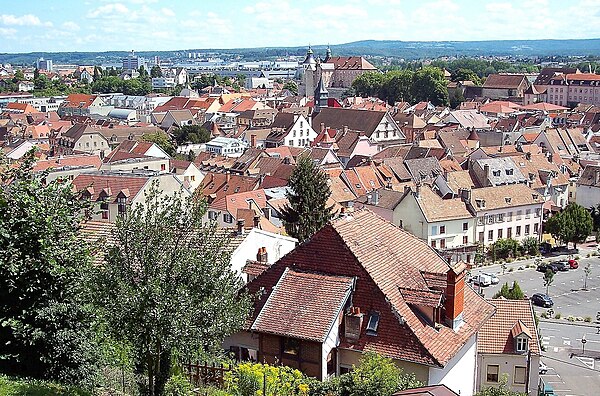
(248, 379)
(558, 315)
(577, 257)
(177, 385)
(511, 269)
(19, 387)
(511, 293)
(503, 248)
(530, 246)
(587, 319)
(544, 315)
(571, 318)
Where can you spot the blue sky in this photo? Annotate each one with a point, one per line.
(100, 25)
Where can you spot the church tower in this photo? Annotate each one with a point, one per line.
(309, 69)
(321, 97)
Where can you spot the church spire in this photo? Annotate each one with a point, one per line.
(321, 96)
(327, 54)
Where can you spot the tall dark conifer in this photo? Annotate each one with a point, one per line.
(307, 211)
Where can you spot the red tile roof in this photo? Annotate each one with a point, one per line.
(384, 258)
(496, 335)
(291, 311)
(79, 100)
(97, 185)
(235, 201)
(70, 160)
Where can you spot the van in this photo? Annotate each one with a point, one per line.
(482, 280)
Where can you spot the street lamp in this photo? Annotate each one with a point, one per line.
(583, 341)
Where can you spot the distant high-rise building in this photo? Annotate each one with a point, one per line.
(132, 62)
(44, 64)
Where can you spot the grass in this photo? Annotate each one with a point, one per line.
(28, 387)
(588, 319)
(558, 315)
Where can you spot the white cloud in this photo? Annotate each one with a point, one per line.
(109, 10)
(7, 32)
(23, 20)
(70, 25)
(168, 12)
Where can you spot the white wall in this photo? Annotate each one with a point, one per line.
(587, 196)
(459, 373)
(332, 341)
(277, 246)
(523, 221)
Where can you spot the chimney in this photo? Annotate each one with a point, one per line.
(345, 129)
(406, 190)
(261, 256)
(418, 189)
(256, 221)
(240, 227)
(353, 323)
(252, 140)
(528, 156)
(455, 295)
(375, 197)
(486, 170)
(465, 195)
(228, 176)
(549, 155)
(370, 198)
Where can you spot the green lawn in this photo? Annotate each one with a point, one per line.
(21, 387)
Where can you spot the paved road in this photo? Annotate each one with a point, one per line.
(566, 289)
(571, 371)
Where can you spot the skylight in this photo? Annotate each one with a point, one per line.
(373, 323)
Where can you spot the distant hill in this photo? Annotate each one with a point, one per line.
(402, 49)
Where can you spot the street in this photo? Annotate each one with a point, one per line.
(571, 369)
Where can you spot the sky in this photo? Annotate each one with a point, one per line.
(146, 25)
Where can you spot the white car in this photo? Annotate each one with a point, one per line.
(482, 280)
(543, 368)
(494, 279)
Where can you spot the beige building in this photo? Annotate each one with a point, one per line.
(82, 138)
(508, 346)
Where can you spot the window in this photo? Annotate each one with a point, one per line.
(509, 216)
(122, 206)
(520, 375)
(528, 213)
(373, 323)
(538, 211)
(105, 215)
(443, 243)
(509, 172)
(522, 344)
(465, 240)
(465, 226)
(212, 215)
(442, 229)
(536, 227)
(480, 221)
(163, 167)
(291, 143)
(434, 230)
(434, 243)
(519, 214)
(291, 346)
(500, 217)
(481, 237)
(193, 178)
(499, 233)
(509, 232)
(492, 372)
(527, 227)
(490, 219)
(294, 133)
(518, 231)
(227, 218)
(496, 173)
(490, 235)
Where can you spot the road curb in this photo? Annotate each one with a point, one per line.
(558, 321)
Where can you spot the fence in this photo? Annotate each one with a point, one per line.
(205, 374)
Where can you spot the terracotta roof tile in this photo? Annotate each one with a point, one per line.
(291, 311)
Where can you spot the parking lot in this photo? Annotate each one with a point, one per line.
(573, 368)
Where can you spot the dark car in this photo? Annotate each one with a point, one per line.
(560, 265)
(542, 300)
(545, 267)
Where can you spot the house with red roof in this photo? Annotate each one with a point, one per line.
(504, 86)
(113, 192)
(82, 105)
(372, 287)
(67, 167)
(508, 345)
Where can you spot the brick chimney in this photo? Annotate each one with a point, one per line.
(261, 256)
(256, 221)
(455, 295)
(240, 226)
(252, 140)
(353, 323)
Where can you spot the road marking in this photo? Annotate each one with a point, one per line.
(589, 362)
(556, 350)
(566, 342)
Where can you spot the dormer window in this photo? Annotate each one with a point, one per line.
(496, 173)
(522, 344)
(373, 323)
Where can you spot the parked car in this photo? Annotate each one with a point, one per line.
(543, 368)
(542, 300)
(482, 280)
(573, 264)
(560, 265)
(493, 278)
(543, 267)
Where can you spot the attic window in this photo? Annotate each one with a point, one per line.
(534, 196)
(373, 323)
(357, 185)
(509, 172)
(496, 173)
(507, 199)
(522, 344)
(480, 203)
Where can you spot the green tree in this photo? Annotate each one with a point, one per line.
(429, 84)
(307, 211)
(368, 84)
(548, 279)
(191, 134)
(504, 248)
(587, 272)
(97, 73)
(376, 375)
(162, 140)
(45, 327)
(291, 86)
(397, 86)
(531, 246)
(510, 293)
(156, 71)
(574, 224)
(19, 76)
(36, 73)
(466, 75)
(166, 286)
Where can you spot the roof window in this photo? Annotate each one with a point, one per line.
(373, 323)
